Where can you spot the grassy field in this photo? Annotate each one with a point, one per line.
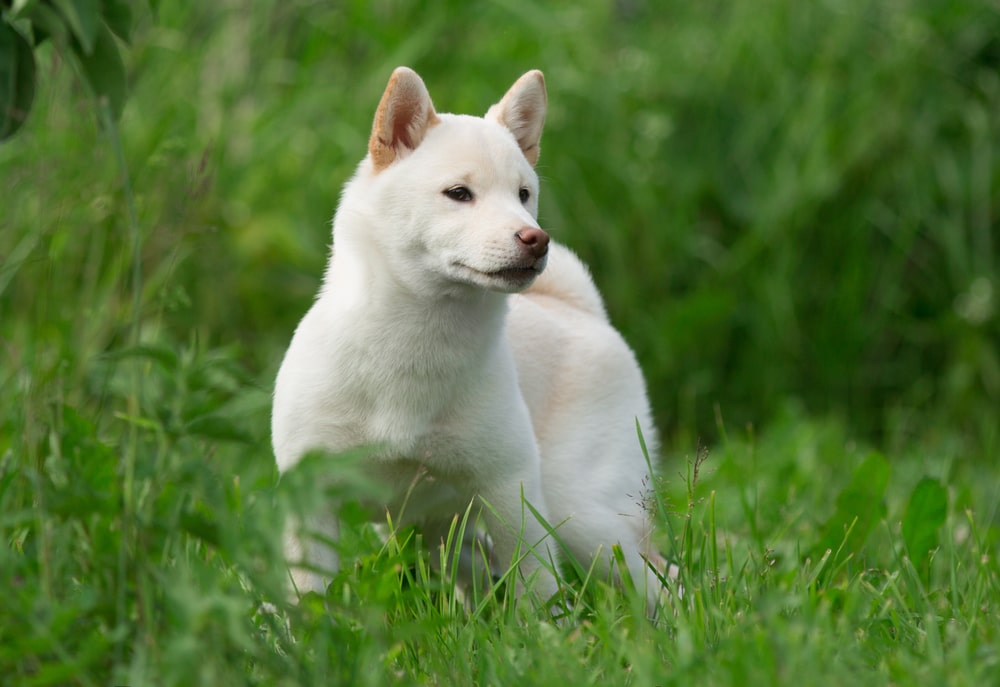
(792, 209)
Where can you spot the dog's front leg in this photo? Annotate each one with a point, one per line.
(519, 537)
(310, 554)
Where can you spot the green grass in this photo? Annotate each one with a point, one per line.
(792, 211)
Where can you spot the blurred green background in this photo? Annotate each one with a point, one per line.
(786, 204)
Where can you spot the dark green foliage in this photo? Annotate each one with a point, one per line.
(17, 80)
(83, 31)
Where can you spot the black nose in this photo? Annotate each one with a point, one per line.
(535, 241)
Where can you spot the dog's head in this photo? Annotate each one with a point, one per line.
(453, 199)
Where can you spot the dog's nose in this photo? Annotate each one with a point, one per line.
(534, 240)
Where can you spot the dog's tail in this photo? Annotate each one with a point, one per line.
(567, 279)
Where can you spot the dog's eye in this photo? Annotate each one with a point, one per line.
(460, 193)
(524, 194)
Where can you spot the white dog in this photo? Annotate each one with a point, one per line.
(438, 340)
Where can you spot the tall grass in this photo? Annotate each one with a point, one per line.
(790, 208)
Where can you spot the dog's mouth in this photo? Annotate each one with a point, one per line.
(515, 273)
(512, 278)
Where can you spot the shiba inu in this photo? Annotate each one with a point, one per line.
(471, 352)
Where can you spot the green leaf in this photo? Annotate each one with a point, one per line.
(105, 71)
(47, 23)
(16, 9)
(84, 19)
(17, 80)
(925, 513)
(859, 508)
(217, 427)
(201, 527)
(118, 17)
(161, 354)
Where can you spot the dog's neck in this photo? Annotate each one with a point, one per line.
(428, 350)
(430, 323)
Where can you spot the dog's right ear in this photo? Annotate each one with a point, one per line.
(404, 115)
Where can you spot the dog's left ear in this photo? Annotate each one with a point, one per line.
(522, 111)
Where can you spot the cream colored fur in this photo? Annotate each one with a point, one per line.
(462, 345)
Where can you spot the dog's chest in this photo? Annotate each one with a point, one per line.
(411, 387)
(448, 420)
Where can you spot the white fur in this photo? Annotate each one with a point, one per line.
(421, 346)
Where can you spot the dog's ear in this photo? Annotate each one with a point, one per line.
(522, 110)
(404, 114)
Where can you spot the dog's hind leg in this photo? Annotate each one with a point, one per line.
(591, 533)
(310, 554)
